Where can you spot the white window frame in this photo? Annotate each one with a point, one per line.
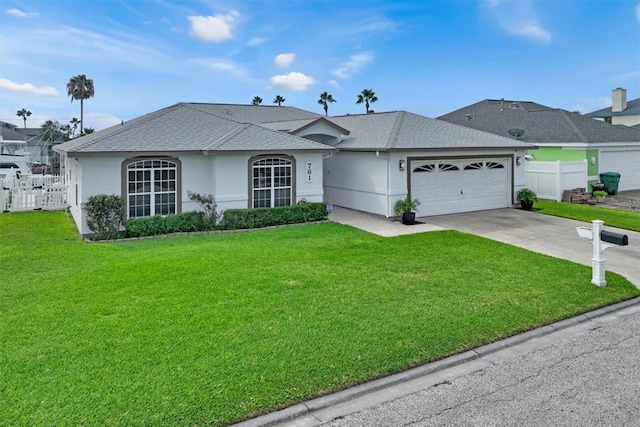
(266, 188)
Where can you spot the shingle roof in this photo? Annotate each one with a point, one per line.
(401, 130)
(193, 128)
(633, 108)
(540, 124)
(9, 134)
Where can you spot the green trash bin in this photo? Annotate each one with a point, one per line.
(610, 181)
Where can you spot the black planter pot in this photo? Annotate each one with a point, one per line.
(526, 205)
(408, 218)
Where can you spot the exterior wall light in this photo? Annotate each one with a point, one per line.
(518, 160)
(593, 160)
(401, 165)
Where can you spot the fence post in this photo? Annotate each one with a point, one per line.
(558, 182)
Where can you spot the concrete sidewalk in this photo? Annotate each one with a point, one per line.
(536, 232)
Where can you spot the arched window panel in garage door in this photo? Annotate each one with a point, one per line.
(426, 168)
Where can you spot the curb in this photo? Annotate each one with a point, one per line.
(307, 408)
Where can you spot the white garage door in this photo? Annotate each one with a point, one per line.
(626, 163)
(460, 185)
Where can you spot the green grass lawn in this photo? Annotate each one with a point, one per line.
(611, 217)
(207, 330)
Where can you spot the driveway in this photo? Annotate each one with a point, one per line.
(530, 230)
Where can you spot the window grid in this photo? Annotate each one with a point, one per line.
(272, 182)
(151, 188)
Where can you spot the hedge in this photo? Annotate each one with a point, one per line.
(158, 224)
(238, 219)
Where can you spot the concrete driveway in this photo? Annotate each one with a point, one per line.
(530, 230)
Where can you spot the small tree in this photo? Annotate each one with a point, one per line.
(256, 100)
(278, 100)
(105, 215)
(208, 204)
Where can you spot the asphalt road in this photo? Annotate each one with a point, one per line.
(589, 379)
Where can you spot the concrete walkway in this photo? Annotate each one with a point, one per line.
(536, 232)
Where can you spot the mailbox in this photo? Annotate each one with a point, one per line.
(615, 238)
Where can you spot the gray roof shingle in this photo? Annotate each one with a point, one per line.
(540, 124)
(193, 128)
(401, 130)
(633, 108)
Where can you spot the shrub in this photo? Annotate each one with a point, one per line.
(105, 215)
(208, 204)
(179, 223)
(236, 219)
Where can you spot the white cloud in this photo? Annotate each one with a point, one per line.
(293, 81)
(518, 18)
(215, 28)
(334, 83)
(223, 65)
(27, 88)
(638, 12)
(284, 60)
(21, 14)
(353, 65)
(532, 31)
(255, 41)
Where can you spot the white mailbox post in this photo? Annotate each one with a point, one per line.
(600, 240)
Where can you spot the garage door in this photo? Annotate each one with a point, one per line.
(460, 185)
(626, 163)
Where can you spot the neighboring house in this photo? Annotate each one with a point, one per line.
(560, 136)
(264, 156)
(621, 112)
(38, 143)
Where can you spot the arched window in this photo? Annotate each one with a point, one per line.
(152, 187)
(272, 182)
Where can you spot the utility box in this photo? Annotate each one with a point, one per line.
(610, 181)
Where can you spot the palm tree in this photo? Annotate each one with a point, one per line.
(324, 100)
(74, 126)
(24, 114)
(278, 100)
(87, 131)
(50, 129)
(367, 96)
(256, 100)
(66, 129)
(80, 87)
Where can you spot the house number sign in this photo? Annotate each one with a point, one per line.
(309, 173)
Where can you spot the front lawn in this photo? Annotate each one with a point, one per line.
(611, 217)
(206, 330)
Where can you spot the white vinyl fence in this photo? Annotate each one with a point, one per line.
(33, 192)
(550, 179)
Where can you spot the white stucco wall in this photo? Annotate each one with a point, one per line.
(225, 176)
(357, 181)
(373, 182)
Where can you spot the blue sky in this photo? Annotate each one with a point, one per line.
(427, 57)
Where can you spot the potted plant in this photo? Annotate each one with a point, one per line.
(406, 207)
(526, 197)
(600, 195)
